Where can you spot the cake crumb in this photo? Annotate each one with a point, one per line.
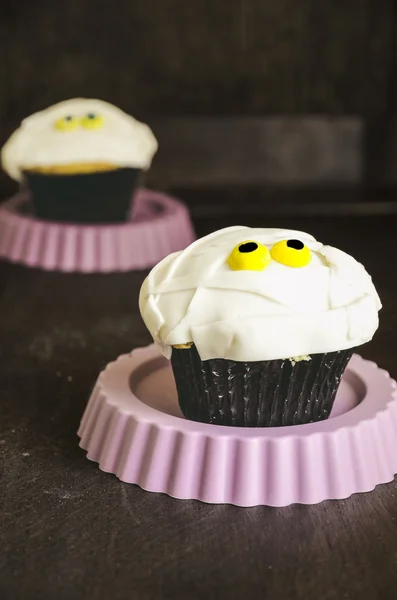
(295, 359)
(183, 346)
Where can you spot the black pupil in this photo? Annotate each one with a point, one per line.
(68, 118)
(248, 247)
(91, 116)
(295, 244)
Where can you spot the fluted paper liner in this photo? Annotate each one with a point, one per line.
(277, 466)
(266, 393)
(98, 197)
(158, 225)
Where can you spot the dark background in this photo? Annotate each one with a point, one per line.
(210, 58)
(169, 57)
(211, 76)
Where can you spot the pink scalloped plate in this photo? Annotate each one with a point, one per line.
(133, 427)
(158, 225)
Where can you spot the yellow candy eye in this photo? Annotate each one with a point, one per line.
(92, 121)
(249, 256)
(292, 253)
(66, 123)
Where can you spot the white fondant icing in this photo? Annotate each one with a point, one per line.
(121, 140)
(194, 296)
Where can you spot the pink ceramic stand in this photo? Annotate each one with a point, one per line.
(133, 428)
(158, 225)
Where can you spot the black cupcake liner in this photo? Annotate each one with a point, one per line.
(269, 393)
(100, 197)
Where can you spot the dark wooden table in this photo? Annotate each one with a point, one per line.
(69, 531)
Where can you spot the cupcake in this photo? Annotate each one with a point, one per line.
(81, 160)
(259, 324)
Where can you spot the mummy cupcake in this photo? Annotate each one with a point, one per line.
(259, 324)
(81, 159)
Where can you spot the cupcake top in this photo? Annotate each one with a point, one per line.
(79, 131)
(259, 294)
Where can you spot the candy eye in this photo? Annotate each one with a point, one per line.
(249, 256)
(92, 121)
(292, 253)
(66, 123)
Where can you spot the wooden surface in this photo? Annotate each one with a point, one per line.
(283, 152)
(249, 57)
(172, 58)
(69, 531)
(248, 202)
(275, 151)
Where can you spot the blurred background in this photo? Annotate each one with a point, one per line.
(257, 105)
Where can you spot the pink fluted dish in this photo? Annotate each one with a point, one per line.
(133, 427)
(158, 225)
